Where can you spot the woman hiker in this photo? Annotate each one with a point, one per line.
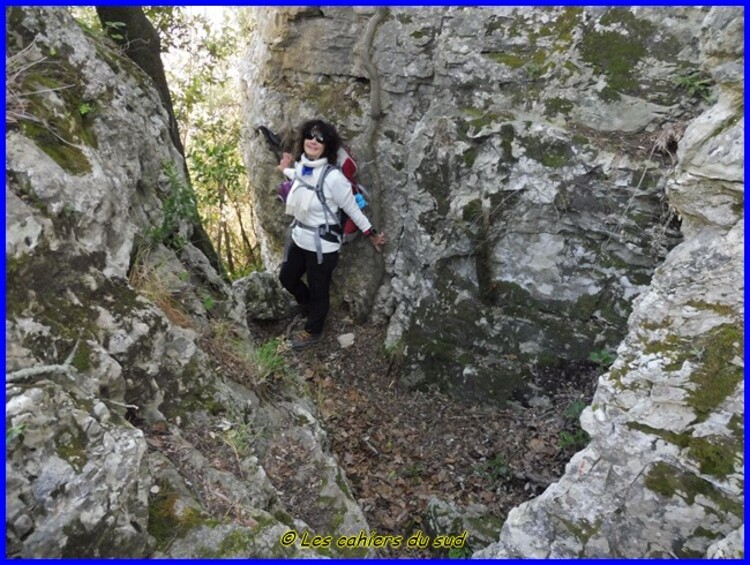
(316, 234)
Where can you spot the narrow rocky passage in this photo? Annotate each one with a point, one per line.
(401, 448)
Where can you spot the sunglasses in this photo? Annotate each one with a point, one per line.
(317, 136)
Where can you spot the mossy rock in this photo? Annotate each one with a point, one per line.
(670, 481)
(38, 285)
(617, 51)
(166, 522)
(558, 106)
(552, 153)
(715, 376)
(57, 117)
(715, 455)
(71, 446)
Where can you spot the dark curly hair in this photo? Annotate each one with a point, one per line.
(329, 133)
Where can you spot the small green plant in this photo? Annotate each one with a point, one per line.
(13, 433)
(115, 29)
(414, 472)
(179, 206)
(535, 70)
(240, 438)
(696, 83)
(603, 358)
(208, 302)
(268, 361)
(577, 439)
(496, 469)
(574, 409)
(84, 108)
(460, 552)
(320, 393)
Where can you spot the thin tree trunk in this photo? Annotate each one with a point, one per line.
(228, 240)
(249, 249)
(219, 233)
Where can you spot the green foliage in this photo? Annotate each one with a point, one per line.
(575, 436)
(176, 26)
(84, 108)
(496, 469)
(577, 439)
(13, 433)
(208, 302)
(206, 105)
(178, 207)
(240, 438)
(268, 361)
(215, 160)
(219, 176)
(603, 358)
(696, 83)
(574, 409)
(460, 552)
(115, 30)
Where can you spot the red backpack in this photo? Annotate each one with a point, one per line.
(349, 167)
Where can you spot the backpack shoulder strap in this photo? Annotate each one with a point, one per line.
(321, 194)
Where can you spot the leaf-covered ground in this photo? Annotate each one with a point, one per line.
(399, 447)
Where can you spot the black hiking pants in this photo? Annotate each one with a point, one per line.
(316, 294)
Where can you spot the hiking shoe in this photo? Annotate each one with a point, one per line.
(305, 339)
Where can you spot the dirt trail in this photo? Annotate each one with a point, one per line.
(399, 447)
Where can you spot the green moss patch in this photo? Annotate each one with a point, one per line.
(717, 377)
(472, 212)
(556, 106)
(61, 131)
(615, 54)
(551, 153)
(583, 530)
(36, 287)
(72, 448)
(164, 521)
(715, 455)
(340, 101)
(669, 481)
(511, 60)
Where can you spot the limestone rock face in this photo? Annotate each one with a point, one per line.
(548, 190)
(663, 475)
(125, 436)
(512, 159)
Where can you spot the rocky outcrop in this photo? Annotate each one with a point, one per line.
(513, 157)
(663, 475)
(514, 160)
(132, 413)
(536, 171)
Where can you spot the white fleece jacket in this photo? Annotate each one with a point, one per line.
(307, 209)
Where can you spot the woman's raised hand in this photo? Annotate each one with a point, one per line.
(286, 161)
(378, 241)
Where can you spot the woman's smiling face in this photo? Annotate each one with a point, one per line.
(314, 144)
